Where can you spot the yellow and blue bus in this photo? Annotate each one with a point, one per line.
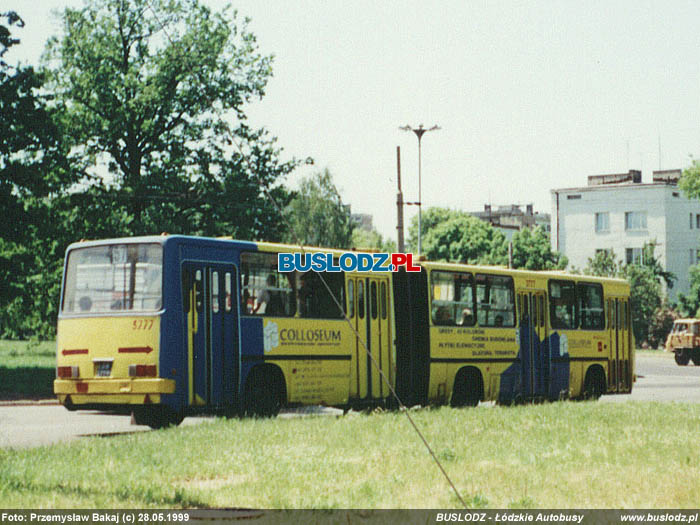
(168, 326)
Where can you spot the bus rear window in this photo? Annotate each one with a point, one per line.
(113, 278)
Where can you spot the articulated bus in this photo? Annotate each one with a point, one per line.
(168, 326)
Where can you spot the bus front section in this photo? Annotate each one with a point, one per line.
(108, 336)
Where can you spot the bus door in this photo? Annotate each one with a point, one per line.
(535, 357)
(379, 336)
(211, 333)
(614, 330)
(370, 317)
(626, 343)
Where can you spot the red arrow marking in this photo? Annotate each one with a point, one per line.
(73, 352)
(136, 350)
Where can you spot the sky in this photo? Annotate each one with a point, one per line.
(529, 96)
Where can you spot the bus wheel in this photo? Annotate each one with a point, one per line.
(594, 385)
(695, 356)
(682, 357)
(468, 389)
(156, 416)
(264, 392)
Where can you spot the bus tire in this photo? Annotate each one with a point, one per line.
(265, 392)
(695, 356)
(594, 384)
(156, 416)
(468, 388)
(682, 356)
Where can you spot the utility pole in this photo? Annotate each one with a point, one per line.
(399, 202)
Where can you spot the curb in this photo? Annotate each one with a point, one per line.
(29, 402)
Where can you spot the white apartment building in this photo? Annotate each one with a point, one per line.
(620, 213)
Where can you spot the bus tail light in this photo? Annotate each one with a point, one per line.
(67, 372)
(142, 370)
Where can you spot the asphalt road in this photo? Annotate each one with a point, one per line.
(31, 425)
(659, 378)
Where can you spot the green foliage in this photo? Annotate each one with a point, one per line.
(34, 168)
(603, 264)
(532, 251)
(135, 125)
(450, 235)
(649, 316)
(317, 215)
(498, 457)
(371, 240)
(661, 324)
(155, 89)
(689, 303)
(27, 369)
(689, 182)
(645, 297)
(455, 236)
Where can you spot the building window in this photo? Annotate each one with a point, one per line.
(697, 221)
(691, 221)
(694, 256)
(573, 197)
(602, 222)
(635, 220)
(634, 256)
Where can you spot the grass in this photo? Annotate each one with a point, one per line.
(558, 455)
(27, 369)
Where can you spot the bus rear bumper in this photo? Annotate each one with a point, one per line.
(112, 391)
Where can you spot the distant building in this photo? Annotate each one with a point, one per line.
(511, 218)
(363, 221)
(620, 213)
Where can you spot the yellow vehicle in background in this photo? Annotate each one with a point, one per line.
(684, 341)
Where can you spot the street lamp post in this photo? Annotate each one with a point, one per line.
(419, 131)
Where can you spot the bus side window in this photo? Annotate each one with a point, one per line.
(382, 300)
(186, 290)
(314, 299)
(373, 299)
(198, 290)
(452, 297)
(264, 290)
(541, 310)
(562, 304)
(215, 306)
(590, 306)
(227, 291)
(351, 298)
(495, 300)
(361, 299)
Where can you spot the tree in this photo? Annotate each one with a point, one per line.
(317, 216)
(372, 240)
(154, 91)
(455, 236)
(532, 251)
(603, 264)
(646, 297)
(689, 182)
(690, 303)
(661, 324)
(34, 168)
